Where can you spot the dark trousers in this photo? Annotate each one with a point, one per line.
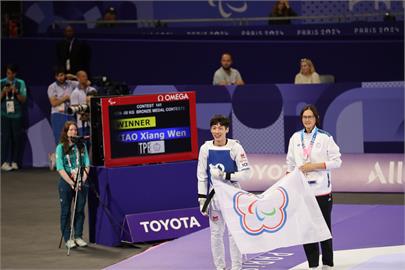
(11, 131)
(312, 250)
(66, 196)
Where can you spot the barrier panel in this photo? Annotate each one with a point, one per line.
(162, 225)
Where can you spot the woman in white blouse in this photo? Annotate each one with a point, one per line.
(315, 153)
(307, 73)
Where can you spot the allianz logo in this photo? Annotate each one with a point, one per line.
(170, 224)
(394, 176)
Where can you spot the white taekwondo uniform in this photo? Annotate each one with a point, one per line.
(230, 159)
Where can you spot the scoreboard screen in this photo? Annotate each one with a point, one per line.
(149, 129)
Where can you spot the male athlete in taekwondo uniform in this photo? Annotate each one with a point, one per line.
(225, 160)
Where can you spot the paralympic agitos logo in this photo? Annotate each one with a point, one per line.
(259, 214)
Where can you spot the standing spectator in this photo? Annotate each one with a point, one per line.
(226, 75)
(11, 17)
(315, 153)
(70, 158)
(13, 96)
(80, 96)
(307, 73)
(281, 9)
(72, 53)
(59, 96)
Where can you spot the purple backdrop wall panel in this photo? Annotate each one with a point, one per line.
(358, 173)
(39, 15)
(271, 62)
(259, 107)
(34, 58)
(360, 105)
(137, 189)
(105, 220)
(260, 112)
(194, 62)
(340, 31)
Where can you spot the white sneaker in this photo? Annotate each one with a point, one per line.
(324, 267)
(14, 166)
(70, 244)
(80, 242)
(6, 167)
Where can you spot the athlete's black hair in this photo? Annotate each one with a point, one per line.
(220, 119)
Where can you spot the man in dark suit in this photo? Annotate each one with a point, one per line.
(73, 54)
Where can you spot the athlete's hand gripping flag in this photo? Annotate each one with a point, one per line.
(286, 214)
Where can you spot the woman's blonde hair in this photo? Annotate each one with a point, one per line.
(309, 63)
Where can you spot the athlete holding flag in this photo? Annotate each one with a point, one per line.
(220, 159)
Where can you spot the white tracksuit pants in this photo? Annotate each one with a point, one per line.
(217, 227)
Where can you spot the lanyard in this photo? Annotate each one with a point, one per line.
(77, 159)
(70, 46)
(307, 150)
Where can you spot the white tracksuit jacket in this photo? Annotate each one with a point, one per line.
(324, 150)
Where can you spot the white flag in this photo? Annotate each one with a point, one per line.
(286, 214)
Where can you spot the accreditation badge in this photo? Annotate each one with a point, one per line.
(10, 106)
(313, 176)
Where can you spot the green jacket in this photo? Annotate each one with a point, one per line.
(20, 85)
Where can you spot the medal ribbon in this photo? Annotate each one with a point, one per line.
(307, 150)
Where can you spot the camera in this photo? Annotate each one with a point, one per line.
(8, 90)
(81, 108)
(106, 87)
(78, 139)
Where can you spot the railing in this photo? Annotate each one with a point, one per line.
(232, 21)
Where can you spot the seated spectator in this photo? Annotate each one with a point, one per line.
(307, 73)
(13, 97)
(226, 75)
(281, 9)
(111, 16)
(80, 96)
(59, 96)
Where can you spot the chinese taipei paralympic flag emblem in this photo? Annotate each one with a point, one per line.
(257, 215)
(286, 214)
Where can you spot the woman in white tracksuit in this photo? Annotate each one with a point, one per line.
(223, 159)
(315, 153)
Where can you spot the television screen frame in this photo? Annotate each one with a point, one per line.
(108, 102)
